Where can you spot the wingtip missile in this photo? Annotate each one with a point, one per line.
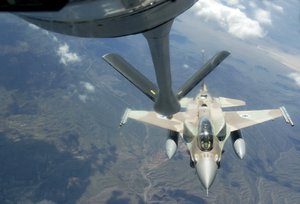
(286, 116)
(125, 117)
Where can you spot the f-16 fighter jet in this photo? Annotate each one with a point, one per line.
(205, 127)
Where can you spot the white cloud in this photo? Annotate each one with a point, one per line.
(273, 6)
(20, 47)
(186, 66)
(291, 60)
(296, 77)
(66, 56)
(88, 89)
(263, 16)
(83, 97)
(236, 22)
(252, 4)
(32, 26)
(63, 51)
(233, 2)
(54, 39)
(88, 86)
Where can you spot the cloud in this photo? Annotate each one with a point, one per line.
(291, 60)
(54, 39)
(263, 16)
(83, 97)
(233, 2)
(88, 89)
(296, 77)
(186, 66)
(274, 6)
(88, 86)
(66, 56)
(49, 34)
(20, 47)
(234, 20)
(32, 26)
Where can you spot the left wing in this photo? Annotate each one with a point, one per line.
(241, 119)
(153, 118)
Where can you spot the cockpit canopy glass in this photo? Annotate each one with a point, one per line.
(205, 138)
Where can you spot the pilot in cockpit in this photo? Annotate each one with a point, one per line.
(205, 138)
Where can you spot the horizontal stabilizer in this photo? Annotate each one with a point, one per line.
(228, 102)
(201, 73)
(132, 75)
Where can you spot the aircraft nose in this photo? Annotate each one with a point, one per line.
(206, 169)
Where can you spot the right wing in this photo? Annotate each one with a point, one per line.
(241, 119)
(153, 118)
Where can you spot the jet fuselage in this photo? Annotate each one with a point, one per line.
(201, 132)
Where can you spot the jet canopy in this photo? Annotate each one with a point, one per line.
(205, 138)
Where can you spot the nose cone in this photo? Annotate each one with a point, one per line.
(206, 169)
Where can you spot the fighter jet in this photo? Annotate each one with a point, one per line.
(115, 18)
(205, 126)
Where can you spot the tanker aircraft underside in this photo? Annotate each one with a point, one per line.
(116, 18)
